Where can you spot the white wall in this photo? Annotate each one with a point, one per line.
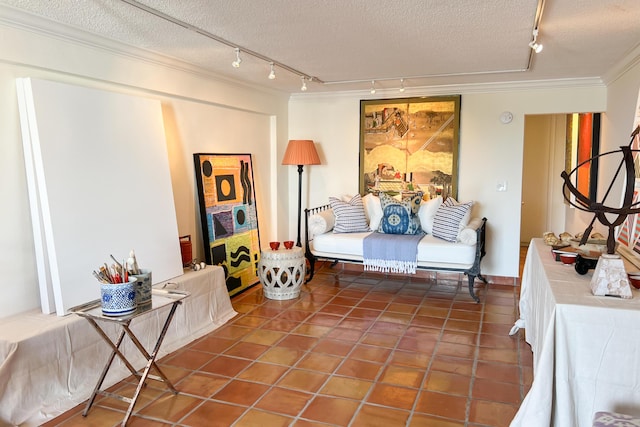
(198, 109)
(201, 114)
(490, 152)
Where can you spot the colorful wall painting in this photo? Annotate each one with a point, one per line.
(410, 144)
(582, 150)
(229, 217)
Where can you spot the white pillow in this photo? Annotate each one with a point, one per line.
(321, 222)
(427, 213)
(350, 217)
(450, 218)
(469, 235)
(373, 210)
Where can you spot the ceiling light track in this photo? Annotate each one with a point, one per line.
(535, 47)
(305, 77)
(425, 76)
(239, 49)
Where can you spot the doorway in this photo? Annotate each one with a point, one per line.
(543, 207)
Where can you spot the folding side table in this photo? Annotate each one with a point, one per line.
(92, 311)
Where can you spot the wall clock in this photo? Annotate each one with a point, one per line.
(506, 117)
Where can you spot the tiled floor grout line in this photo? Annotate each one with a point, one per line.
(385, 365)
(306, 352)
(230, 379)
(476, 356)
(289, 369)
(346, 357)
(296, 364)
(435, 349)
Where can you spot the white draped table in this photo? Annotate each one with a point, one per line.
(48, 363)
(586, 348)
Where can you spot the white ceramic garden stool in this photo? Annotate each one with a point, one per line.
(282, 272)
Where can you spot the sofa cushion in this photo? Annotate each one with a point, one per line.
(321, 222)
(350, 217)
(469, 234)
(427, 213)
(450, 219)
(400, 217)
(373, 210)
(432, 251)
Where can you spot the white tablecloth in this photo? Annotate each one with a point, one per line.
(586, 349)
(49, 364)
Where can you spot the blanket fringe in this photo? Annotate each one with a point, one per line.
(390, 266)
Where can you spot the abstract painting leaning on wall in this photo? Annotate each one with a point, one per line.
(229, 218)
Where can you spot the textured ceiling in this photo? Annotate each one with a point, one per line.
(347, 44)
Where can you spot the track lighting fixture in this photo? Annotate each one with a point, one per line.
(272, 74)
(236, 63)
(537, 47)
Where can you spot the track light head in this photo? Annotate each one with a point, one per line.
(272, 74)
(373, 87)
(537, 47)
(238, 61)
(304, 84)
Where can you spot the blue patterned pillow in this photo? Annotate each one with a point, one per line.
(350, 217)
(450, 218)
(400, 217)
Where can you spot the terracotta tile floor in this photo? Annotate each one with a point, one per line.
(356, 349)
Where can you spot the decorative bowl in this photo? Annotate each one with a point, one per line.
(634, 279)
(288, 244)
(568, 258)
(274, 245)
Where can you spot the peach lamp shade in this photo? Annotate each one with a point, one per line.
(301, 152)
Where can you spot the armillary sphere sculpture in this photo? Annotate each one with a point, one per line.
(598, 208)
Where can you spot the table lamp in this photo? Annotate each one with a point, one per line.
(300, 152)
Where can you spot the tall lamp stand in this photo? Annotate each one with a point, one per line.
(300, 152)
(298, 241)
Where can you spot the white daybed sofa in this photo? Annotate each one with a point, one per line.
(462, 255)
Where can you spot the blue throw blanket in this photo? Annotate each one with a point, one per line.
(391, 253)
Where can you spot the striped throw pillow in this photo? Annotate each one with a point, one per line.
(350, 217)
(450, 218)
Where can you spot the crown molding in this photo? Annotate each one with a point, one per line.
(622, 67)
(24, 21)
